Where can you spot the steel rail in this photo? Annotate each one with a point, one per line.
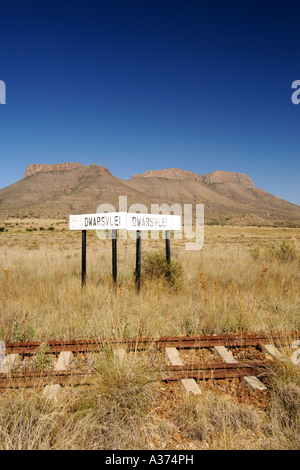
(203, 370)
(183, 342)
(209, 370)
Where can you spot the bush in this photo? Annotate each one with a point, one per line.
(286, 251)
(213, 222)
(116, 407)
(2, 229)
(255, 252)
(156, 267)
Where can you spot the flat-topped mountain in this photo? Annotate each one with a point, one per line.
(33, 169)
(215, 177)
(227, 177)
(58, 190)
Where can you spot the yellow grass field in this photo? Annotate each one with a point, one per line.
(243, 279)
(240, 280)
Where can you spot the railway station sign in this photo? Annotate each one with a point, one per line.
(124, 220)
(98, 221)
(153, 222)
(119, 221)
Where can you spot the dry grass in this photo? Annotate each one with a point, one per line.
(228, 286)
(225, 288)
(219, 422)
(124, 408)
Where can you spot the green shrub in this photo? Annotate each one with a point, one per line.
(115, 410)
(286, 251)
(255, 252)
(213, 222)
(22, 332)
(155, 267)
(42, 360)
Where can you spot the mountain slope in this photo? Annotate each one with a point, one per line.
(55, 191)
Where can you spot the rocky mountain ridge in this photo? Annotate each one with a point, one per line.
(35, 168)
(218, 176)
(56, 191)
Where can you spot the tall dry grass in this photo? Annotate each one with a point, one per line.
(125, 408)
(225, 288)
(228, 286)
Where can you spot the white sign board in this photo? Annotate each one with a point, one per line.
(124, 220)
(153, 222)
(98, 221)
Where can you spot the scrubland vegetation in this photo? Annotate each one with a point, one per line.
(244, 279)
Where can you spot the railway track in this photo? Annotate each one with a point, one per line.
(181, 358)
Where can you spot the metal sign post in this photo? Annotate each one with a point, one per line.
(138, 260)
(83, 258)
(168, 253)
(114, 257)
(122, 220)
(168, 249)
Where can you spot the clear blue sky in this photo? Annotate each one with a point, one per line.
(152, 84)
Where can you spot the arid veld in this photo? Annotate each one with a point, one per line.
(245, 278)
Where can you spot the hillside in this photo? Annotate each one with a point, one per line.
(55, 191)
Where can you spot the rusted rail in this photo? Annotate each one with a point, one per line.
(170, 373)
(182, 342)
(38, 379)
(198, 369)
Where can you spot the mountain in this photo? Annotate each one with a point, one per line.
(58, 190)
(215, 177)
